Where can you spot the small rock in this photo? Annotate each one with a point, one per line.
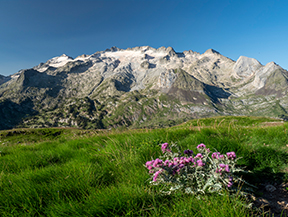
(270, 188)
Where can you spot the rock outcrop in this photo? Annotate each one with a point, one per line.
(141, 87)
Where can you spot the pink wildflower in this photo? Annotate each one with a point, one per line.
(188, 152)
(222, 165)
(176, 159)
(219, 171)
(164, 147)
(156, 175)
(231, 155)
(199, 155)
(157, 163)
(215, 155)
(187, 160)
(200, 163)
(201, 146)
(181, 166)
(227, 168)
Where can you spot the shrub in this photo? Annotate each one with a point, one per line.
(191, 173)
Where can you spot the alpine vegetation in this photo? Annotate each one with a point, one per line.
(192, 173)
(76, 172)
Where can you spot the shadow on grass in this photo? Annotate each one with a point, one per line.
(265, 165)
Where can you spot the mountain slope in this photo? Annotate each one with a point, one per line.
(140, 87)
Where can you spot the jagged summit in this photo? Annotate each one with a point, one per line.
(139, 86)
(249, 59)
(60, 59)
(245, 66)
(211, 51)
(64, 55)
(82, 56)
(113, 49)
(272, 63)
(219, 70)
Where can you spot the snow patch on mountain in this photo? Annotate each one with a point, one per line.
(147, 65)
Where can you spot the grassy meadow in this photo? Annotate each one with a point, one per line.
(71, 172)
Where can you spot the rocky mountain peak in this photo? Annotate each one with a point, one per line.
(271, 64)
(171, 51)
(82, 56)
(147, 48)
(211, 51)
(113, 49)
(58, 61)
(64, 55)
(190, 52)
(137, 83)
(245, 66)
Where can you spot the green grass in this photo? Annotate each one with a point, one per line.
(62, 172)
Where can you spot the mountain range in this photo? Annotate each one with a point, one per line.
(140, 87)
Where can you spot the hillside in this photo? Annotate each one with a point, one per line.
(76, 172)
(140, 87)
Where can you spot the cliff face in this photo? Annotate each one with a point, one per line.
(140, 87)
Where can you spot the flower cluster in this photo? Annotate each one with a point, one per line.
(164, 147)
(175, 165)
(188, 152)
(231, 155)
(223, 167)
(217, 155)
(193, 173)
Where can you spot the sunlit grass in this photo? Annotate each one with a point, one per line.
(78, 173)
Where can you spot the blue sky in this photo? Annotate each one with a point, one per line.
(33, 31)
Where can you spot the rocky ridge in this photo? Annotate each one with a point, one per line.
(140, 87)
